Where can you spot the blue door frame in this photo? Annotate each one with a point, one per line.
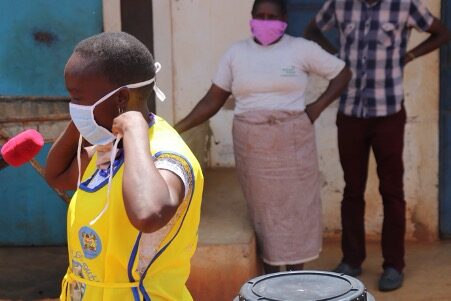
(445, 130)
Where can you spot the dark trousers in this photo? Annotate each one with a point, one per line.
(385, 136)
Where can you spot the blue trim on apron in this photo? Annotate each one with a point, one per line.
(130, 266)
(141, 285)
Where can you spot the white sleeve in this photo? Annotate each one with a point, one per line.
(177, 168)
(318, 61)
(224, 76)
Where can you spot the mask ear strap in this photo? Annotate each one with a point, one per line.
(157, 90)
(110, 178)
(159, 93)
(80, 140)
(157, 67)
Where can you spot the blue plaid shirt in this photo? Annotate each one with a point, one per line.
(373, 42)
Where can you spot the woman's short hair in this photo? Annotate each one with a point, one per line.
(280, 3)
(121, 58)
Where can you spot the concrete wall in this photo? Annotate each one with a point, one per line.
(422, 141)
(49, 115)
(420, 154)
(191, 36)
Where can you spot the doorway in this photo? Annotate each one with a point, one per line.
(136, 19)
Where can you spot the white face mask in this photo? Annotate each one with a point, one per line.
(83, 118)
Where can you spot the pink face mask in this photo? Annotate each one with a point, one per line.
(267, 31)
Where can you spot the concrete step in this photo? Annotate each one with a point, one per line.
(226, 255)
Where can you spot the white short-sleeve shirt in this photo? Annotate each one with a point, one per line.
(273, 77)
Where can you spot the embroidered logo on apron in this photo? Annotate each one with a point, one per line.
(90, 242)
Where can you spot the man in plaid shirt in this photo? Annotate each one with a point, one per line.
(371, 115)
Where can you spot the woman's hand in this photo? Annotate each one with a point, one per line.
(313, 111)
(334, 89)
(131, 120)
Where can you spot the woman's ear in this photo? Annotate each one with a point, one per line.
(123, 97)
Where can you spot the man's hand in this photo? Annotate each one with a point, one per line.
(408, 57)
(439, 36)
(131, 120)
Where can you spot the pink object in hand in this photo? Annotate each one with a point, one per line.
(22, 147)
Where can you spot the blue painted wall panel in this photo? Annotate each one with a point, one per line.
(445, 175)
(445, 129)
(37, 37)
(31, 213)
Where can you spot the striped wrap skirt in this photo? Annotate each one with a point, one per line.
(277, 166)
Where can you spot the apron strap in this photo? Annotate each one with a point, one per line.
(64, 288)
(71, 277)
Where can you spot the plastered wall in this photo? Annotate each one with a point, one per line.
(192, 35)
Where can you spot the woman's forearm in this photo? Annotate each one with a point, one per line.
(208, 106)
(146, 195)
(334, 89)
(61, 169)
(201, 113)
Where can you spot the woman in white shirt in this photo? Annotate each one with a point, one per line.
(273, 132)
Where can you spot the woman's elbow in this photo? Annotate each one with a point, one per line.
(342, 79)
(149, 225)
(153, 220)
(347, 74)
(56, 184)
(59, 182)
(145, 225)
(51, 179)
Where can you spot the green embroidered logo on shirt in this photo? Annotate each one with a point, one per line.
(289, 71)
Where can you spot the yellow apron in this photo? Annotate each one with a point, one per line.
(103, 258)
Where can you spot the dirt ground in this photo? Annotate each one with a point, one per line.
(35, 273)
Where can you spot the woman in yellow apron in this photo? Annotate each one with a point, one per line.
(132, 222)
